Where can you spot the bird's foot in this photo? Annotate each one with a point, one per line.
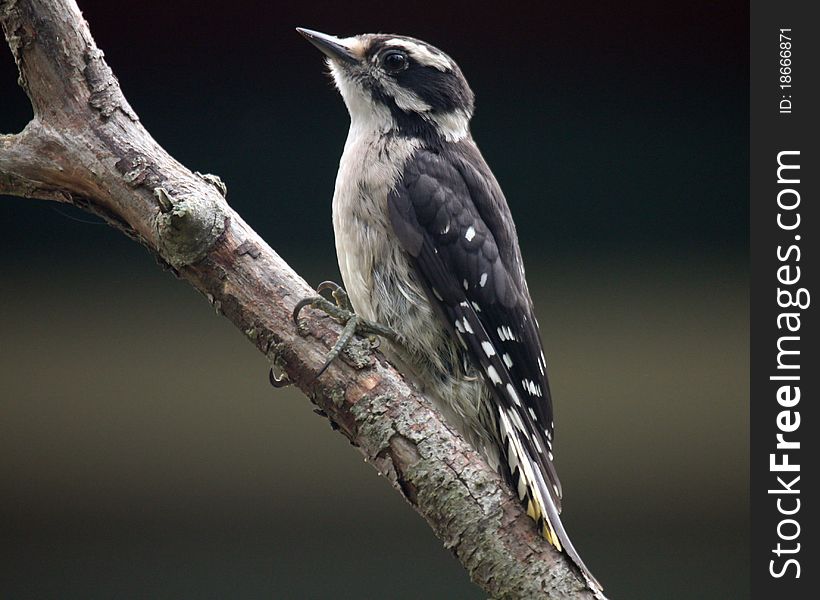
(341, 310)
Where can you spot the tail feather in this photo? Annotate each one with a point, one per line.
(526, 476)
(553, 530)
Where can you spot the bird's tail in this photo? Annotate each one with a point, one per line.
(528, 473)
(553, 530)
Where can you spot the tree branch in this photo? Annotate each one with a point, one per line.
(86, 146)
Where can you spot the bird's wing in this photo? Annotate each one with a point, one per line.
(451, 217)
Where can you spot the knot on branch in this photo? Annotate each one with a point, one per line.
(404, 456)
(215, 181)
(187, 225)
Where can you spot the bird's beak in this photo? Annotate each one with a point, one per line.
(331, 46)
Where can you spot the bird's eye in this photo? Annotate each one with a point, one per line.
(395, 61)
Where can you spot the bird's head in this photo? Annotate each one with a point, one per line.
(397, 83)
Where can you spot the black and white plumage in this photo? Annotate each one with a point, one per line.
(427, 246)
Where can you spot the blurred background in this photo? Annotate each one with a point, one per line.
(142, 451)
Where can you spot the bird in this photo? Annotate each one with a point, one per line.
(429, 258)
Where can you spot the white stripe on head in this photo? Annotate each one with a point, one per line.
(405, 99)
(422, 54)
(453, 126)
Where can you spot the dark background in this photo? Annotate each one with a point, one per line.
(142, 452)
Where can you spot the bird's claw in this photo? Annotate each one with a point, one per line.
(338, 292)
(341, 311)
(280, 379)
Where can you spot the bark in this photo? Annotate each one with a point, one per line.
(86, 146)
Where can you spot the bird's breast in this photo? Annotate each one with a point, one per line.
(369, 255)
(383, 285)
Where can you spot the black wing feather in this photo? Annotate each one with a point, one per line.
(451, 217)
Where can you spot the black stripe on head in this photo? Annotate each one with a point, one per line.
(444, 92)
(430, 74)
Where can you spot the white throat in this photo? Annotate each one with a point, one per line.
(365, 114)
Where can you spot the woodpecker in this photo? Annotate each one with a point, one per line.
(428, 250)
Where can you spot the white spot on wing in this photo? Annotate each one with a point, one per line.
(513, 394)
(522, 485)
(531, 387)
(507, 360)
(505, 333)
(483, 281)
(516, 419)
(470, 233)
(488, 349)
(493, 375)
(467, 327)
(505, 430)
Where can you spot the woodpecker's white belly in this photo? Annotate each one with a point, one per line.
(369, 168)
(383, 287)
